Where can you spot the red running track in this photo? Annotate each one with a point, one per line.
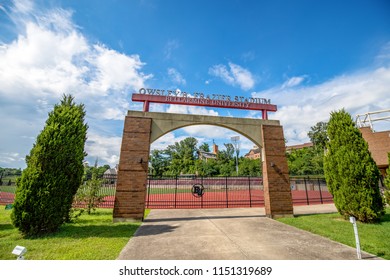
(237, 198)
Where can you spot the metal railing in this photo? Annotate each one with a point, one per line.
(363, 120)
(218, 192)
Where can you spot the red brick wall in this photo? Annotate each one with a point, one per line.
(277, 192)
(133, 170)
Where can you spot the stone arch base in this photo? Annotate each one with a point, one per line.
(142, 128)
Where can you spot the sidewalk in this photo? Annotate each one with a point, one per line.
(230, 234)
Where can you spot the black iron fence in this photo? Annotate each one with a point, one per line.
(218, 192)
(206, 192)
(306, 191)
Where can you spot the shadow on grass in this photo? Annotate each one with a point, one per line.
(91, 220)
(88, 231)
(6, 227)
(385, 219)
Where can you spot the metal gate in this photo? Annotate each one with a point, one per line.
(211, 192)
(204, 192)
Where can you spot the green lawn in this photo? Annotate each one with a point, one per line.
(374, 238)
(8, 189)
(91, 237)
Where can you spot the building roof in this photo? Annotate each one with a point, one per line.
(378, 144)
(204, 154)
(299, 146)
(253, 151)
(111, 171)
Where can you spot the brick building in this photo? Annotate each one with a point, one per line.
(207, 155)
(379, 146)
(378, 141)
(254, 153)
(298, 147)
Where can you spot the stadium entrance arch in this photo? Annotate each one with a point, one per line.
(143, 128)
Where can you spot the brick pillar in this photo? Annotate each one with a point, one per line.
(277, 192)
(133, 170)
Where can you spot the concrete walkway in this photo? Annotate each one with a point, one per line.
(230, 234)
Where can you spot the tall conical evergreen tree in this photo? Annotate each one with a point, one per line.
(387, 182)
(54, 171)
(351, 174)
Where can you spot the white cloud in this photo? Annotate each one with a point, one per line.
(176, 77)
(49, 57)
(384, 54)
(208, 131)
(235, 75)
(104, 148)
(248, 56)
(168, 139)
(23, 6)
(11, 157)
(302, 107)
(115, 71)
(294, 81)
(170, 47)
(242, 76)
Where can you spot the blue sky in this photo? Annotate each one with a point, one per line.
(308, 57)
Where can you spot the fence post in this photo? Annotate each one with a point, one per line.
(201, 198)
(147, 203)
(319, 186)
(226, 187)
(175, 191)
(250, 193)
(307, 197)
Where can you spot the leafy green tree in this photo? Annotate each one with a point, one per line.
(306, 161)
(249, 167)
(98, 170)
(318, 135)
(159, 163)
(299, 162)
(226, 155)
(351, 174)
(54, 171)
(88, 195)
(227, 168)
(10, 171)
(9, 175)
(182, 156)
(226, 160)
(204, 147)
(207, 168)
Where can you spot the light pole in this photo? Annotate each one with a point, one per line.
(236, 143)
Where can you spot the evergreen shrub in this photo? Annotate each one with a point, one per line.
(351, 174)
(54, 171)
